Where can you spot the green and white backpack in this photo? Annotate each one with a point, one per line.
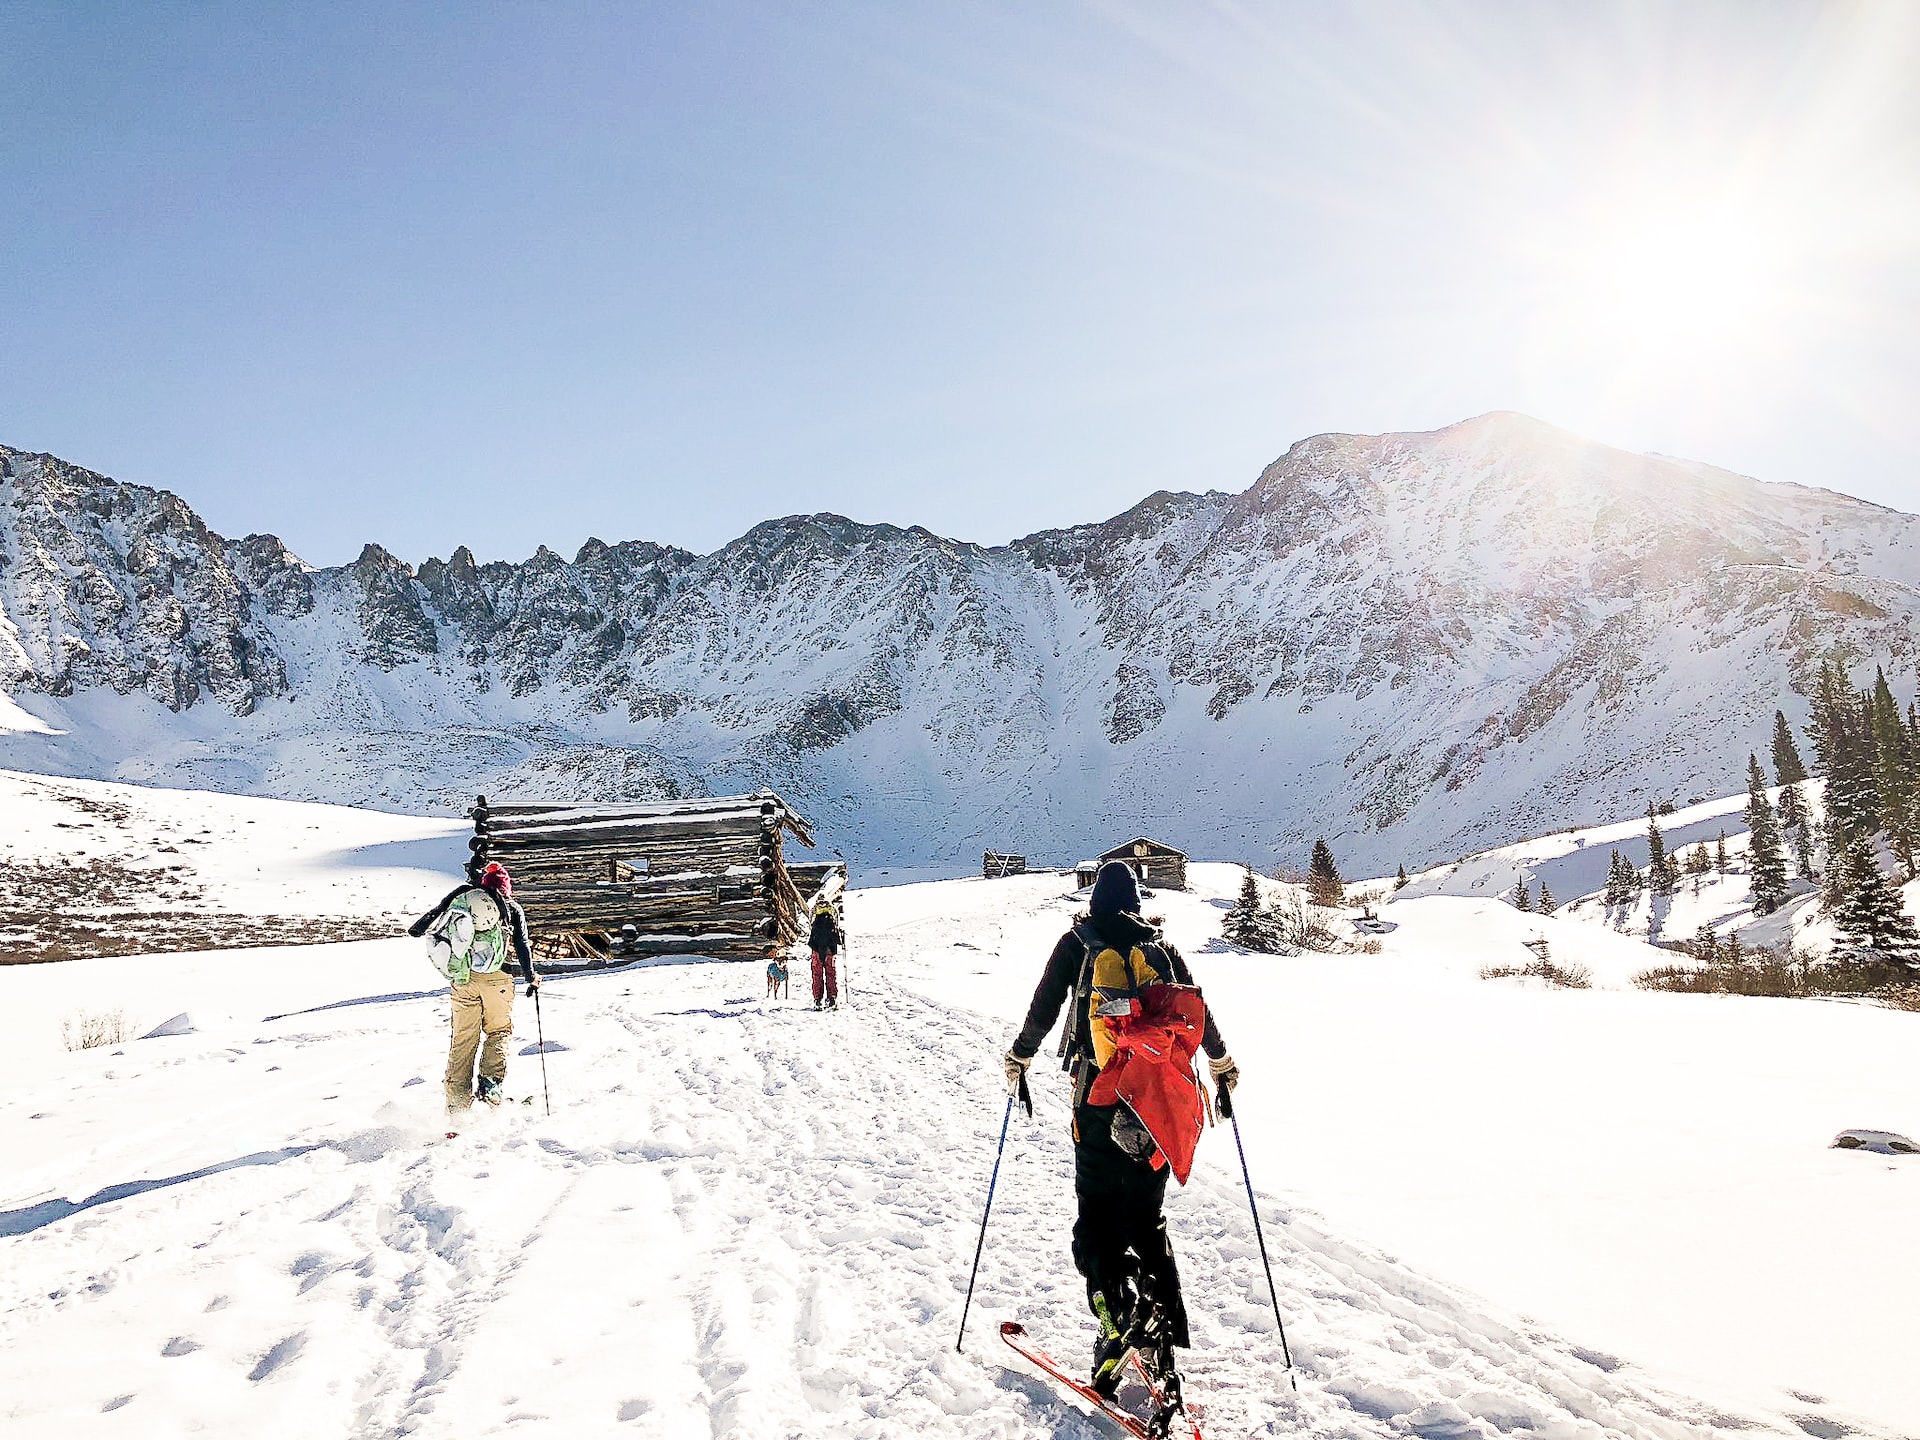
(471, 938)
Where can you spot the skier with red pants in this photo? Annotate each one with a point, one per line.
(825, 940)
(1137, 1111)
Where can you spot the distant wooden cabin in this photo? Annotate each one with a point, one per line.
(706, 877)
(995, 866)
(1157, 865)
(1085, 873)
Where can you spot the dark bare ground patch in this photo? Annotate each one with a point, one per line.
(77, 910)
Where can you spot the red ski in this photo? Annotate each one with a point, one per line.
(1141, 1427)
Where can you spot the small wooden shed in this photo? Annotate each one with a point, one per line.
(1085, 873)
(1158, 865)
(995, 866)
(705, 877)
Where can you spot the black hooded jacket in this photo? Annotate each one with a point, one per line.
(1122, 931)
(825, 937)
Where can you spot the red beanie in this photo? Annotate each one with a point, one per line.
(495, 877)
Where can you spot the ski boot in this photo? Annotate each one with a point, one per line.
(1112, 1350)
(491, 1092)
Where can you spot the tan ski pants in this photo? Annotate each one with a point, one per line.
(483, 1005)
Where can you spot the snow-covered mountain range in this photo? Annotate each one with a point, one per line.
(1414, 644)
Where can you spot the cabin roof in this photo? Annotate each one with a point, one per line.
(1155, 848)
(515, 821)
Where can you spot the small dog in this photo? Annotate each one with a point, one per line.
(778, 986)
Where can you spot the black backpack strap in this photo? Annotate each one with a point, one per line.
(1074, 1040)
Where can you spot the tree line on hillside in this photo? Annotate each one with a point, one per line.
(1868, 751)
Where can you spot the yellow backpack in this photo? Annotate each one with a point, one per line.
(1112, 984)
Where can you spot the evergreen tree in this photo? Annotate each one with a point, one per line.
(1843, 744)
(1400, 880)
(1697, 862)
(1872, 915)
(1623, 881)
(1913, 751)
(1706, 945)
(1766, 865)
(1892, 766)
(1662, 874)
(1834, 876)
(1803, 848)
(1735, 954)
(1720, 852)
(1825, 726)
(1324, 885)
(1546, 904)
(1788, 768)
(1521, 899)
(1793, 808)
(1247, 923)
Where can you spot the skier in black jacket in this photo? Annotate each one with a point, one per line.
(825, 940)
(1120, 1238)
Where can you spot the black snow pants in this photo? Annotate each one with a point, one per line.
(1120, 1232)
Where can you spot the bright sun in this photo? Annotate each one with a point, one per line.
(1651, 291)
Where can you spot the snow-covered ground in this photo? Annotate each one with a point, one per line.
(1646, 1173)
(96, 868)
(747, 1220)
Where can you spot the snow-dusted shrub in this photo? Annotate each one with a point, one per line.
(89, 1029)
(1764, 970)
(1300, 926)
(1564, 976)
(1902, 997)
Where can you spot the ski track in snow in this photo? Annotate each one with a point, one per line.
(741, 1220)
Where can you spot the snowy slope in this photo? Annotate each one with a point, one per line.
(747, 1220)
(1414, 644)
(96, 868)
(1573, 864)
(1637, 1170)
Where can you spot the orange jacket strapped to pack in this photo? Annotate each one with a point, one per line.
(1145, 1032)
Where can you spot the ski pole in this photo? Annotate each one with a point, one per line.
(540, 1031)
(1026, 1099)
(1226, 1109)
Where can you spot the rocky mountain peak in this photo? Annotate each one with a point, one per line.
(1408, 643)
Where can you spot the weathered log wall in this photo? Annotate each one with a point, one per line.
(699, 876)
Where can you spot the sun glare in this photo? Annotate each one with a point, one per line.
(1669, 279)
(1648, 293)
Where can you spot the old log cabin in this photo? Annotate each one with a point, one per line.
(675, 877)
(1158, 865)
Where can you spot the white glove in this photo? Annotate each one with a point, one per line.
(1016, 1069)
(1226, 1072)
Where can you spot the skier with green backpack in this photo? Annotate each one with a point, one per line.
(469, 933)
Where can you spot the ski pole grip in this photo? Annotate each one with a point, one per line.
(1026, 1095)
(1223, 1100)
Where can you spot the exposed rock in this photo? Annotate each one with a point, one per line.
(1405, 642)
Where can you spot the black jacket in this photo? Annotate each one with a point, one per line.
(1063, 972)
(825, 937)
(516, 924)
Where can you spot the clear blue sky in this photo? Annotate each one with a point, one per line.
(518, 274)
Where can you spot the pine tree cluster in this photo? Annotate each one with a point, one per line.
(1623, 881)
(1869, 752)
